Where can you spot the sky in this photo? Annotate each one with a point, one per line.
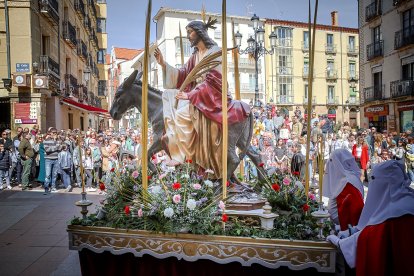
(126, 18)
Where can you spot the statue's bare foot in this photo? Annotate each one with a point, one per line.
(172, 163)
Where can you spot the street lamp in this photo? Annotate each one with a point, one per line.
(256, 48)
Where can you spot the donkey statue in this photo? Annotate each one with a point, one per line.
(129, 94)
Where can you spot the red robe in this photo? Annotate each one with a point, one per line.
(350, 203)
(206, 96)
(364, 155)
(387, 248)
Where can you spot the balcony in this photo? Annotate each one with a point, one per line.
(396, 3)
(404, 37)
(245, 86)
(352, 50)
(284, 99)
(353, 101)
(83, 94)
(305, 73)
(50, 9)
(245, 63)
(49, 66)
(80, 8)
(69, 34)
(71, 86)
(331, 74)
(332, 100)
(373, 10)
(87, 24)
(102, 88)
(305, 100)
(402, 88)
(82, 50)
(374, 93)
(375, 50)
(330, 49)
(352, 76)
(305, 46)
(92, 8)
(94, 39)
(91, 98)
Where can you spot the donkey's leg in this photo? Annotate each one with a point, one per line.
(155, 147)
(256, 161)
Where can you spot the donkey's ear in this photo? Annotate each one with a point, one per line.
(138, 77)
(128, 82)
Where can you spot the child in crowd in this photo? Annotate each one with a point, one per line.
(5, 163)
(65, 165)
(88, 167)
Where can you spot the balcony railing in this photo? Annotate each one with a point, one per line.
(102, 88)
(82, 50)
(352, 76)
(49, 66)
(402, 88)
(250, 87)
(69, 34)
(332, 100)
(71, 86)
(373, 10)
(284, 99)
(87, 24)
(80, 8)
(245, 63)
(331, 74)
(353, 101)
(91, 98)
(375, 49)
(352, 50)
(404, 37)
(305, 46)
(374, 93)
(305, 100)
(50, 9)
(398, 2)
(330, 48)
(83, 94)
(93, 38)
(91, 5)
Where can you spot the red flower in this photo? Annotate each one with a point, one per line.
(149, 177)
(126, 210)
(224, 218)
(176, 186)
(261, 165)
(154, 157)
(295, 173)
(189, 161)
(228, 183)
(276, 187)
(305, 207)
(113, 169)
(101, 186)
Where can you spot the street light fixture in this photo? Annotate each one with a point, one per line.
(256, 48)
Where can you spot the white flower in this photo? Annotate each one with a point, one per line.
(177, 199)
(140, 213)
(221, 205)
(186, 176)
(208, 183)
(156, 189)
(191, 204)
(169, 212)
(299, 185)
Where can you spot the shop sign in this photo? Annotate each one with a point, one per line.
(25, 113)
(404, 106)
(376, 110)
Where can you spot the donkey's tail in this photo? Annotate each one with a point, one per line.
(246, 145)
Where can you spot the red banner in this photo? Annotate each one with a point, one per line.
(22, 114)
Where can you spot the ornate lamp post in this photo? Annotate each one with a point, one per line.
(256, 48)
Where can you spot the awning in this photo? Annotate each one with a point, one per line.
(88, 108)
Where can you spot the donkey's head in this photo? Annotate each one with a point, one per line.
(125, 96)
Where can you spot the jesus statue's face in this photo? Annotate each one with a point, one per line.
(193, 37)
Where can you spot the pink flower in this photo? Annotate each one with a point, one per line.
(197, 186)
(311, 196)
(140, 213)
(177, 199)
(286, 181)
(221, 205)
(162, 176)
(135, 174)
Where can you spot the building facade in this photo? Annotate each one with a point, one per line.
(387, 64)
(55, 62)
(335, 69)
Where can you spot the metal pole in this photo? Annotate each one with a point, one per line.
(6, 12)
(256, 68)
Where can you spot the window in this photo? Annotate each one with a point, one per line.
(186, 46)
(306, 39)
(306, 90)
(101, 25)
(331, 92)
(352, 69)
(329, 40)
(101, 56)
(285, 89)
(408, 19)
(284, 36)
(330, 68)
(102, 88)
(70, 120)
(377, 35)
(306, 67)
(408, 71)
(351, 43)
(82, 127)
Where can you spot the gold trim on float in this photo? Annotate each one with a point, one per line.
(271, 253)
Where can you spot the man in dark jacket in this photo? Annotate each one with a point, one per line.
(5, 161)
(6, 141)
(26, 154)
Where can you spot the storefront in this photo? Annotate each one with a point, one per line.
(406, 115)
(332, 114)
(377, 116)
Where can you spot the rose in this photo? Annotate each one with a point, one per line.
(305, 207)
(140, 213)
(149, 177)
(177, 199)
(295, 173)
(191, 204)
(169, 212)
(221, 205)
(208, 183)
(228, 183)
(196, 186)
(311, 196)
(224, 218)
(276, 187)
(135, 174)
(176, 186)
(189, 161)
(286, 181)
(127, 210)
(101, 186)
(113, 169)
(261, 164)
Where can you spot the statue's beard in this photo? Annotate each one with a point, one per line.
(195, 41)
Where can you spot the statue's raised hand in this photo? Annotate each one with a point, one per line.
(159, 57)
